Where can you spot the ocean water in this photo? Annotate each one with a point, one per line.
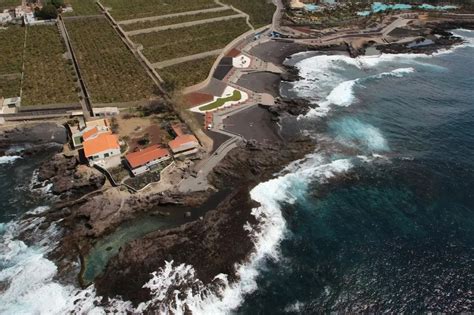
(394, 230)
(379, 218)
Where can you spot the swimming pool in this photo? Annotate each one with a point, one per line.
(380, 7)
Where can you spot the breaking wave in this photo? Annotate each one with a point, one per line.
(8, 159)
(30, 276)
(343, 93)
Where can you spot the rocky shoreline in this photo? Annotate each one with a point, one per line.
(88, 210)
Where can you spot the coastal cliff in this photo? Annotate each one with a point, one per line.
(214, 244)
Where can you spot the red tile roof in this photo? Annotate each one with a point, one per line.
(180, 141)
(86, 135)
(177, 129)
(151, 153)
(103, 142)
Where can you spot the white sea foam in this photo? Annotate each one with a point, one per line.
(9, 159)
(355, 133)
(30, 275)
(342, 94)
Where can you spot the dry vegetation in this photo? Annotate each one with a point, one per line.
(48, 79)
(177, 20)
(82, 7)
(124, 9)
(11, 52)
(260, 11)
(111, 72)
(6, 4)
(175, 43)
(187, 73)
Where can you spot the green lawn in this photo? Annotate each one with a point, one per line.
(260, 11)
(221, 101)
(169, 44)
(187, 73)
(7, 4)
(111, 71)
(48, 79)
(127, 9)
(177, 20)
(82, 7)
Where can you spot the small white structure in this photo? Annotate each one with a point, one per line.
(12, 102)
(67, 9)
(105, 111)
(296, 5)
(10, 105)
(30, 18)
(241, 61)
(5, 17)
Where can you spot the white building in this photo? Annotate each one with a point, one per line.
(102, 149)
(5, 17)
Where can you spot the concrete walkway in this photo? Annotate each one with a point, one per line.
(160, 17)
(199, 182)
(170, 62)
(185, 24)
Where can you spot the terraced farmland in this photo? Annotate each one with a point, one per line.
(187, 73)
(124, 9)
(177, 20)
(48, 79)
(111, 72)
(260, 11)
(6, 4)
(82, 7)
(175, 43)
(11, 52)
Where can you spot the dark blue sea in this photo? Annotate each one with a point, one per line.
(386, 220)
(379, 218)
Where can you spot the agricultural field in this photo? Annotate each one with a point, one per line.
(6, 4)
(82, 7)
(11, 52)
(110, 70)
(260, 11)
(177, 20)
(10, 85)
(11, 49)
(175, 43)
(187, 73)
(126, 9)
(48, 78)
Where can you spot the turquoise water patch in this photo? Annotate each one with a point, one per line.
(353, 132)
(380, 7)
(437, 7)
(311, 7)
(363, 13)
